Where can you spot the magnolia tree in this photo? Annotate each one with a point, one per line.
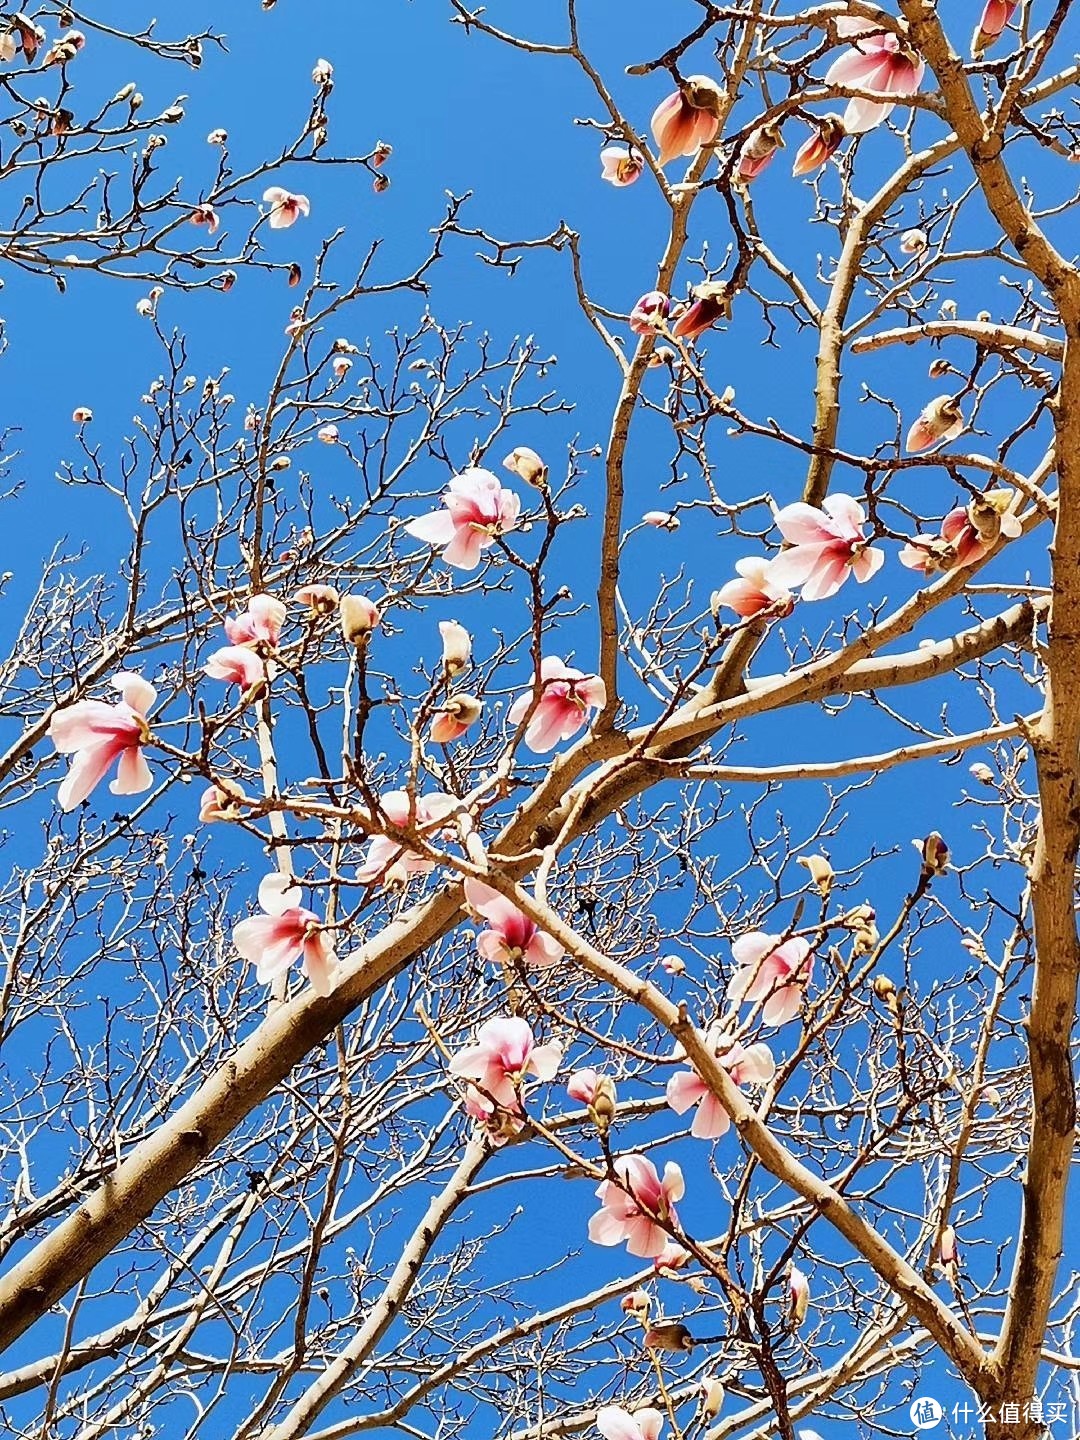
(465, 967)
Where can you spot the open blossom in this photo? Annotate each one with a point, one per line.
(650, 312)
(261, 622)
(504, 1054)
(510, 935)
(758, 149)
(942, 419)
(634, 1205)
(621, 164)
(454, 717)
(879, 63)
(754, 591)
(387, 859)
(566, 697)
(236, 665)
(772, 971)
(285, 207)
(747, 1065)
(477, 510)
(99, 735)
(615, 1423)
(995, 17)
(823, 143)
(827, 546)
(206, 215)
(284, 932)
(687, 120)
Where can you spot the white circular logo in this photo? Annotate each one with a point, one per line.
(926, 1413)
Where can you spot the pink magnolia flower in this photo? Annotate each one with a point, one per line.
(478, 510)
(711, 302)
(823, 143)
(582, 1085)
(504, 1054)
(747, 1065)
(206, 215)
(995, 17)
(772, 971)
(959, 544)
(284, 932)
(672, 1257)
(98, 734)
(661, 520)
(941, 419)
(285, 207)
(261, 622)
(566, 697)
(650, 312)
(798, 1295)
(236, 665)
(615, 1423)
(754, 591)
(621, 164)
(215, 804)
(827, 546)
(758, 149)
(511, 935)
(320, 599)
(454, 718)
(879, 63)
(686, 120)
(634, 1205)
(387, 859)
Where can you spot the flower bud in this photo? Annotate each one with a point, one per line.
(328, 434)
(323, 72)
(457, 646)
(913, 242)
(603, 1106)
(527, 465)
(82, 415)
(712, 1396)
(660, 520)
(636, 1303)
(359, 617)
(821, 873)
(935, 854)
(982, 773)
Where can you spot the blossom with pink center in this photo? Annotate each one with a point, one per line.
(823, 143)
(320, 599)
(827, 546)
(879, 63)
(497, 1065)
(566, 697)
(753, 591)
(260, 623)
(711, 302)
(511, 935)
(206, 215)
(773, 971)
(388, 860)
(959, 544)
(98, 735)
(284, 932)
(636, 1206)
(798, 1296)
(236, 665)
(686, 120)
(621, 164)
(995, 17)
(942, 419)
(285, 207)
(650, 312)
(477, 511)
(758, 149)
(615, 1423)
(746, 1064)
